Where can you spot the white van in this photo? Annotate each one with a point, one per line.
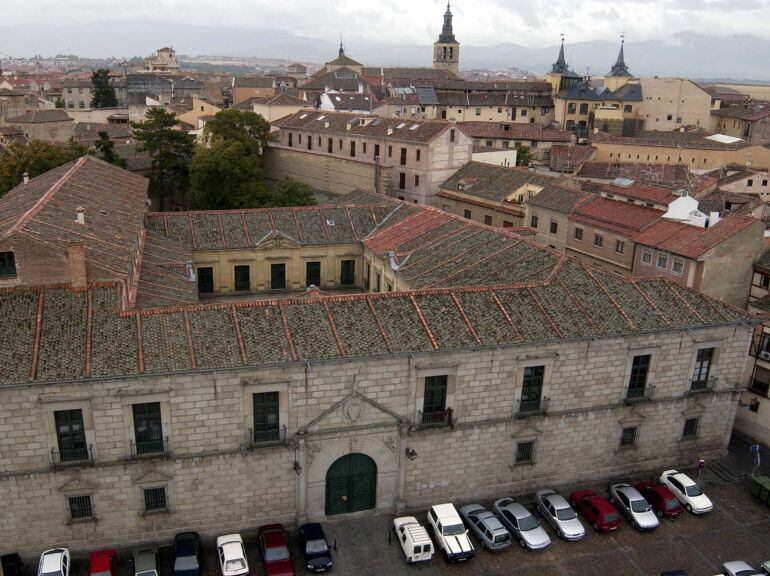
(414, 539)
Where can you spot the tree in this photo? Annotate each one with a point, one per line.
(292, 193)
(226, 176)
(523, 156)
(246, 127)
(105, 149)
(59, 102)
(104, 91)
(171, 151)
(34, 159)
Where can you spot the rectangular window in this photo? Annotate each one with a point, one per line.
(390, 151)
(478, 111)
(309, 143)
(7, 265)
(662, 262)
(367, 275)
(451, 135)
(700, 375)
(598, 240)
(148, 428)
(523, 112)
(80, 507)
(467, 214)
(434, 400)
(525, 452)
(417, 155)
(377, 283)
(352, 149)
(620, 247)
(206, 280)
(579, 234)
(638, 379)
(531, 389)
(571, 108)
(584, 108)
(348, 272)
(330, 146)
(291, 139)
(488, 220)
(627, 108)
(670, 117)
(628, 437)
(278, 276)
(71, 435)
(533, 221)
(266, 417)
(416, 180)
(312, 274)
(376, 150)
(749, 183)
(677, 267)
(155, 499)
(507, 224)
(363, 148)
(690, 428)
(242, 278)
(403, 156)
(554, 227)
(646, 257)
(401, 181)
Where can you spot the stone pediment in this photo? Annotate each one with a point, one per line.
(354, 410)
(77, 484)
(277, 239)
(694, 409)
(152, 476)
(526, 430)
(633, 418)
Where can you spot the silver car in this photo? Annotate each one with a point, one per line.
(486, 526)
(521, 524)
(739, 568)
(560, 515)
(633, 506)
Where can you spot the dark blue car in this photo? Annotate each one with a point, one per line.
(315, 547)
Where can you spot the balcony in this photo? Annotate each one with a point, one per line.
(527, 408)
(639, 395)
(259, 438)
(150, 448)
(72, 456)
(702, 386)
(436, 419)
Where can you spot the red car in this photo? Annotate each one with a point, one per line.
(597, 510)
(663, 501)
(102, 563)
(276, 560)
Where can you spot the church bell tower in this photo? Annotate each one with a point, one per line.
(446, 51)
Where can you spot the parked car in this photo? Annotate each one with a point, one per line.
(766, 567)
(674, 573)
(145, 561)
(276, 560)
(414, 539)
(560, 515)
(663, 501)
(232, 555)
(738, 568)
(687, 491)
(521, 523)
(54, 562)
(599, 511)
(102, 563)
(11, 565)
(633, 506)
(187, 554)
(450, 533)
(486, 526)
(315, 547)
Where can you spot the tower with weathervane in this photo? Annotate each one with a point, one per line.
(446, 51)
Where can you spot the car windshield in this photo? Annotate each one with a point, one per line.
(504, 537)
(749, 572)
(54, 573)
(453, 530)
(672, 503)
(316, 546)
(693, 490)
(147, 573)
(232, 565)
(610, 518)
(640, 506)
(565, 514)
(528, 523)
(276, 554)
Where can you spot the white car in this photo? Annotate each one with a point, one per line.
(232, 555)
(739, 568)
(522, 524)
(450, 533)
(560, 515)
(766, 566)
(687, 491)
(54, 562)
(414, 539)
(634, 506)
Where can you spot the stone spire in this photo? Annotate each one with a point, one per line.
(560, 66)
(447, 35)
(620, 68)
(342, 49)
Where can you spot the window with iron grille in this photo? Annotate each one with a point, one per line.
(266, 417)
(702, 369)
(148, 428)
(638, 380)
(525, 452)
(628, 437)
(554, 227)
(434, 397)
(71, 435)
(155, 499)
(690, 428)
(7, 265)
(532, 389)
(80, 507)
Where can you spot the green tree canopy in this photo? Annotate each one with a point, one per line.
(245, 127)
(292, 193)
(523, 156)
(171, 151)
(105, 149)
(104, 91)
(59, 102)
(34, 158)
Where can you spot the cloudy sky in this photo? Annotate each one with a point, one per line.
(533, 23)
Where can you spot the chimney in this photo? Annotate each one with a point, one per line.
(76, 261)
(81, 216)
(25, 176)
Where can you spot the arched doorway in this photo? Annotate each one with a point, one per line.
(351, 485)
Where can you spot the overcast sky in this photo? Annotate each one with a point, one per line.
(533, 23)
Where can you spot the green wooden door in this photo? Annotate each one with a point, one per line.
(351, 485)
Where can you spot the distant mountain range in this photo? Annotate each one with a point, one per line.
(685, 54)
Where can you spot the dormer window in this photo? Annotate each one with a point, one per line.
(7, 265)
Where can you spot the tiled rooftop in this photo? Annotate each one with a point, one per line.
(514, 131)
(615, 215)
(568, 158)
(642, 192)
(694, 139)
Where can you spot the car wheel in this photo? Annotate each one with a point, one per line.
(539, 510)
(558, 533)
(522, 544)
(689, 508)
(446, 557)
(635, 524)
(659, 513)
(596, 526)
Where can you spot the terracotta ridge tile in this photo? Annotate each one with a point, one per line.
(505, 313)
(683, 301)
(38, 336)
(424, 322)
(139, 342)
(188, 334)
(544, 312)
(476, 263)
(89, 332)
(468, 323)
(223, 239)
(239, 335)
(192, 229)
(563, 285)
(649, 301)
(246, 229)
(352, 225)
(333, 325)
(287, 330)
(612, 299)
(385, 337)
(296, 225)
(322, 216)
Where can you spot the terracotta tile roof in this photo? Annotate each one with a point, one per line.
(691, 241)
(642, 192)
(364, 198)
(89, 132)
(559, 199)
(694, 139)
(346, 101)
(40, 117)
(749, 112)
(253, 81)
(420, 131)
(615, 215)
(277, 100)
(493, 98)
(514, 131)
(569, 158)
(163, 280)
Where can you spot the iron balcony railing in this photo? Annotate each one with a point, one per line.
(267, 437)
(436, 418)
(705, 385)
(532, 407)
(637, 395)
(149, 447)
(81, 454)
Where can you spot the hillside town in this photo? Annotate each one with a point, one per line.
(337, 316)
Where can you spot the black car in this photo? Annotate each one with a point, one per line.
(187, 554)
(11, 565)
(315, 547)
